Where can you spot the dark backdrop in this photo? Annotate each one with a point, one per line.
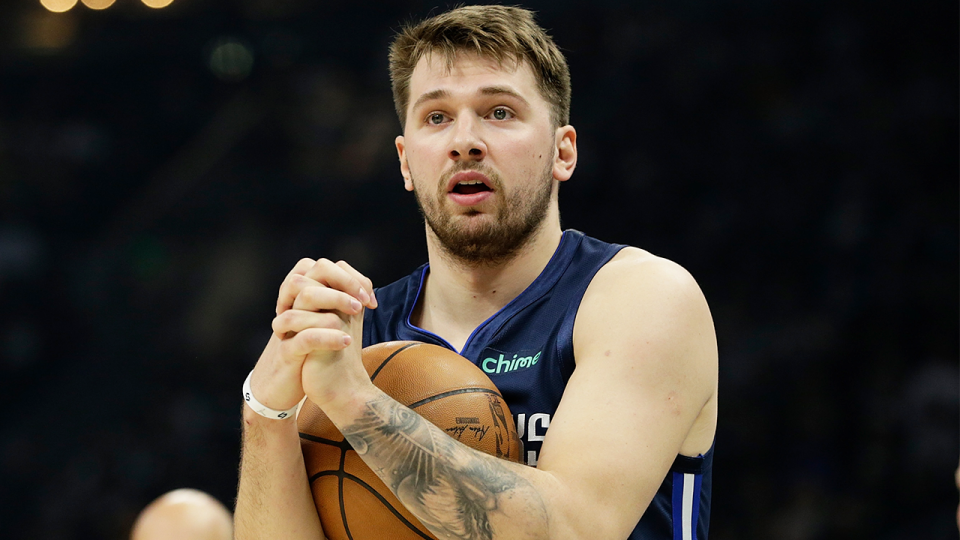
(161, 170)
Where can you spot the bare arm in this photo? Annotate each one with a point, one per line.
(644, 390)
(455, 491)
(274, 499)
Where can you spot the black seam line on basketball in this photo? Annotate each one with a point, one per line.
(453, 393)
(385, 502)
(341, 475)
(387, 359)
(321, 474)
(343, 509)
(344, 444)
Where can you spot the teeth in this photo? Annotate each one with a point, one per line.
(470, 183)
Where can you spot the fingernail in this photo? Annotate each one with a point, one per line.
(364, 297)
(347, 340)
(355, 305)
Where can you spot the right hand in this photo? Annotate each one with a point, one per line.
(316, 301)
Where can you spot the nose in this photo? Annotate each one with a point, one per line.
(466, 143)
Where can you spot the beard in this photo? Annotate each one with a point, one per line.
(494, 241)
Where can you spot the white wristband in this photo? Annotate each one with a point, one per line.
(262, 409)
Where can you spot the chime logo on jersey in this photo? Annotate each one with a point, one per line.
(505, 364)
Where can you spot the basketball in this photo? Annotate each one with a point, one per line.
(438, 384)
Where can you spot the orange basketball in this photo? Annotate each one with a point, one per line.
(441, 386)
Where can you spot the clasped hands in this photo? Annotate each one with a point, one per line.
(315, 349)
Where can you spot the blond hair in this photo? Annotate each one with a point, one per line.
(502, 33)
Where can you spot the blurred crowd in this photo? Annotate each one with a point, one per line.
(162, 170)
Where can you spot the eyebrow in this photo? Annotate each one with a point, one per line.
(502, 90)
(430, 96)
(485, 91)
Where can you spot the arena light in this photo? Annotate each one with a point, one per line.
(157, 4)
(98, 4)
(45, 32)
(230, 59)
(58, 6)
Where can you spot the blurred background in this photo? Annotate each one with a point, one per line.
(164, 164)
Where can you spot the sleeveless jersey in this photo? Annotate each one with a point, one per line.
(526, 349)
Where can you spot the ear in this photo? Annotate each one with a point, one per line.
(404, 167)
(566, 158)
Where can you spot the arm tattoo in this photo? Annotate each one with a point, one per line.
(452, 490)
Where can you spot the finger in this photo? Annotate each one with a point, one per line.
(316, 339)
(331, 275)
(294, 321)
(365, 282)
(303, 266)
(292, 284)
(320, 298)
(291, 288)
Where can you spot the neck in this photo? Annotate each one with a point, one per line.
(458, 297)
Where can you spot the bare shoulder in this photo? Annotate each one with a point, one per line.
(650, 305)
(636, 273)
(639, 265)
(645, 329)
(646, 374)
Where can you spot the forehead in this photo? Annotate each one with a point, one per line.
(469, 72)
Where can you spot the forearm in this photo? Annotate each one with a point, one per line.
(273, 498)
(455, 491)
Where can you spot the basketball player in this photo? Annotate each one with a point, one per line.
(184, 514)
(611, 348)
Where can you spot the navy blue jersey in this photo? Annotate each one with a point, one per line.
(527, 350)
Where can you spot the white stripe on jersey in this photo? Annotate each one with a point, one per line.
(686, 516)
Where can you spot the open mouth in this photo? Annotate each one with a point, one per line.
(470, 187)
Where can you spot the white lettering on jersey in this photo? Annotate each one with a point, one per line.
(544, 420)
(535, 429)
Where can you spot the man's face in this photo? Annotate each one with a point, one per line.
(479, 152)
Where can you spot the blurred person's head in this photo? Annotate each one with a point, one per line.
(184, 514)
